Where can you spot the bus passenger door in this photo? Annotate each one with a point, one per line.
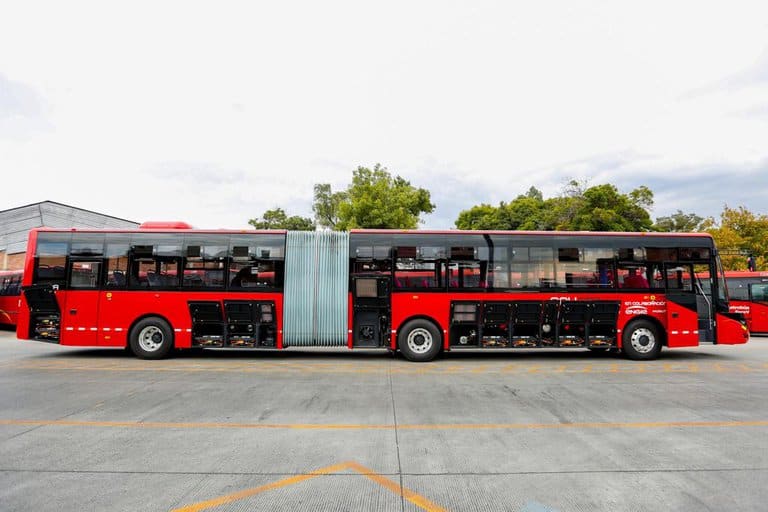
(80, 311)
(371, 310)
(683, 315)
(758, 296)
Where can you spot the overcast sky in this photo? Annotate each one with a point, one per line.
(213, 112)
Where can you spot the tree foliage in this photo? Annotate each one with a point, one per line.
(374, 199)
(578, 208)
(738, 234)
(679, 222)
(326, 205)
(276, 218)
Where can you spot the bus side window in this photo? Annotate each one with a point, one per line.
(679, 278)
(84, 274)
(633, 276)
(116, 279)
(244, 277)
(759, 292)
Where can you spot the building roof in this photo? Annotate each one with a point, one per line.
(15, 223)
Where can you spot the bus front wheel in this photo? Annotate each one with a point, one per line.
(419, 340)
(641, 340)
(151, 338)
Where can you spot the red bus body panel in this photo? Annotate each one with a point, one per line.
(9, 296)
(79, 317)
(682, 326)
(9, 309)
(105, 318)
(407, 306)
(730, 332)
(755, 313)
(677, 321)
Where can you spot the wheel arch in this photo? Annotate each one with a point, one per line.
(443, 335)
(144, 317)
(655, 321)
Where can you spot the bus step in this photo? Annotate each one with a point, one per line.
(243, 342)
(494, 342)
(525, 342)
(601, 341)
(571, 341)
(209, 341)
(47, 328)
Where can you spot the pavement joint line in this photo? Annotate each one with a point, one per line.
(397, 439)
(560, 369)
(363, 426)
(404, 492)
(414, 498)
(408, 474)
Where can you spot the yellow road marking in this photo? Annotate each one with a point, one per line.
(416, 499)
(373, 426)
(223, 500)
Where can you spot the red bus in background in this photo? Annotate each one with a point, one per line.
(164, 287)
(749, 296)
(10, 296)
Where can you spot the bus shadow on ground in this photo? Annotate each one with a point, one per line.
(560, 355)
(344, 355)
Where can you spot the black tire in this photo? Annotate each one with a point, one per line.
(641, 340)
(419, 340)
(151, 338)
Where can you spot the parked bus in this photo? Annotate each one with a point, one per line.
(161, 287)
(10, 296)
(749, 296)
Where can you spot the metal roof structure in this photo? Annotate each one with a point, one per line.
(15, 223)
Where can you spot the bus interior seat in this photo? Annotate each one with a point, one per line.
(118, 279)
(154, 280)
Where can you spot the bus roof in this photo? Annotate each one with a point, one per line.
(530, 233)
(162, 230)
(182, 227)
(745, 274)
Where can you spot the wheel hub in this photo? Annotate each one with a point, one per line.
(643, 340)
(151, 338)
(420, 340)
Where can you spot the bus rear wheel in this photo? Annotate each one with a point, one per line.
(151, 338)
(419, 340)
(641, 340)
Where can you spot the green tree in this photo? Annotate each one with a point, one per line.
(374, 199)
(276, 218)
(484, 216)
(326, 205)
(604, 208)
(577, 208)
(524, 213)
(534, 193)
(679, 222)
(739, 234)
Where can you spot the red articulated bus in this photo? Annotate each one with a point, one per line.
(10, 296)
(163, 287)
(749, 296)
